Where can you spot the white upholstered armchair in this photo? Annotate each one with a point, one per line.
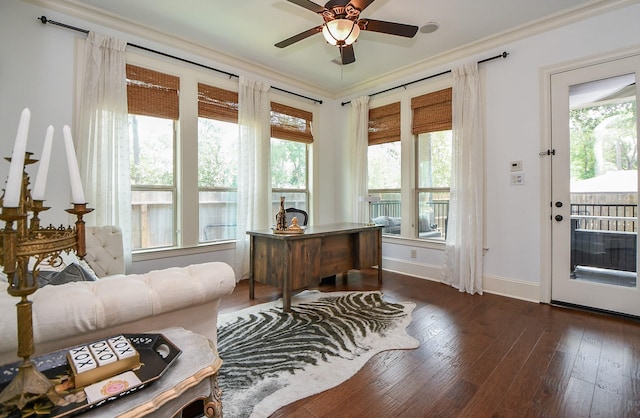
(73, 313)
(104, 250)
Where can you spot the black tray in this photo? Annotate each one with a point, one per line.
(157, 353)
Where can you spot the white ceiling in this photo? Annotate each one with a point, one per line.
(248, 30)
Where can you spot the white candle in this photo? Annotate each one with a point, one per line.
(14, 180)
(43, 169)
(74, 173)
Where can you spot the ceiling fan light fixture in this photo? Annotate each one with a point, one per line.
(340, 32)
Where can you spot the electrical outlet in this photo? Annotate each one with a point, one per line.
(517, 179)
(516, 166)
(414, 254)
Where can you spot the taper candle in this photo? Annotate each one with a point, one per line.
(14, 180)
(43, 169)
(74, 173)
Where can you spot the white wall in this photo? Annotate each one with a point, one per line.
(36, 71)
(512, 263)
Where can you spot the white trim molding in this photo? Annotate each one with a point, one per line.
(517, 289)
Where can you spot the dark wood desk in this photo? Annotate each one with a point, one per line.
(294, 262)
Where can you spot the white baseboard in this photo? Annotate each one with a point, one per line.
(503, 286)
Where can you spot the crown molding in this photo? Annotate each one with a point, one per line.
(494, 42)
(237, 65)
(223, 61)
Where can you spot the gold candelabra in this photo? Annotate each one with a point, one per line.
(17, 246)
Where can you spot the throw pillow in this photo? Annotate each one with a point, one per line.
(381, 220)
(72, 273)
(394, 221)
(66, 259)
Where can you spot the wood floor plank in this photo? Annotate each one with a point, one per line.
(606, 404)
(480, 356)
(587, 361)
(631, 398)
(548, 399)
(577, 399)
(522, 391)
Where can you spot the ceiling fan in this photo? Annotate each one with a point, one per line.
(342, 25)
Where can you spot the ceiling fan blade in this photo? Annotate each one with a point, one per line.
(392, 28)
(309, 5)
(299, 37)
(361, 4)
(347, 54)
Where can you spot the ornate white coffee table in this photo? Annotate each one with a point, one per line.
(193, 377)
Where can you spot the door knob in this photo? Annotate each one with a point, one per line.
(559, 218)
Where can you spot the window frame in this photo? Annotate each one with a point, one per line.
(385, 127)
(437, 100)
(186, 176)
(228, 116)
(173, 189)
(419, 190)
(277, 191)
(307, 138)
(409, 234)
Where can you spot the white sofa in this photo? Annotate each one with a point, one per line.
(77, 312)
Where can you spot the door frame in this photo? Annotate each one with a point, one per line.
(546, 221)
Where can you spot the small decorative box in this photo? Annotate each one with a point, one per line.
(101, 360)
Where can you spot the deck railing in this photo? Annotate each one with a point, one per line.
(604, 236)
(435, 213)
(605, 217)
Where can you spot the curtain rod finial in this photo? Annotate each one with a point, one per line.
(43, 19)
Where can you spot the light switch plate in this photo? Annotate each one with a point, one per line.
(517, 179)
(516, 166)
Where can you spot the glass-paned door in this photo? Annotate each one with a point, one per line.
(595, 187)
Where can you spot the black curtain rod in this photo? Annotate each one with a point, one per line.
(44, 21)
(503, 55)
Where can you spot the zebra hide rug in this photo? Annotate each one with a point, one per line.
(271, 358)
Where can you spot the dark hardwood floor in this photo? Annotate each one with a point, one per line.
(481, 356)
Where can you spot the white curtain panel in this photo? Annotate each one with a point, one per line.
(358, 168)
(463, 252)
(102, 136)
(254, 174)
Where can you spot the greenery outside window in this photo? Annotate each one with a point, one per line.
(431, 126)
(291, 135)
(153, 115)
(217, 163)
(434, 180)
(384, 167)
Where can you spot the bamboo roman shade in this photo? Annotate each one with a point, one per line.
(152, 93)
(384, 124)
(217, 103)
(291, 123)
(431, 112)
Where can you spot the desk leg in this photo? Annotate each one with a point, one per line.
(380, 257)
(286, 301)
(286, 294)
(286, 282)
(251, 255)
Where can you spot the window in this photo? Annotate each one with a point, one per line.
(217, 163)
(384, 166)
(184, 156)
(290, 137)
(153, 114)
(432, 127)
